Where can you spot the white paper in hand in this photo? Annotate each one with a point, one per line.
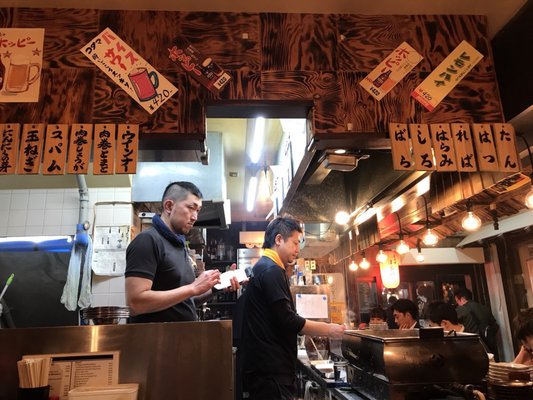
(225, 278)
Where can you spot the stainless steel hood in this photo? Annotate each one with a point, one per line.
(152, 178)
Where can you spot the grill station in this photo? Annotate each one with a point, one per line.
(413, 364)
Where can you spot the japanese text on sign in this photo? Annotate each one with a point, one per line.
(129, 70)
(446, 76)
(453, 147)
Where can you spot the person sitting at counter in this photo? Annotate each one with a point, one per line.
(523, 331)
(405, 314)
(378, 315)
(270, 322)
(444, 315)
(161, 284)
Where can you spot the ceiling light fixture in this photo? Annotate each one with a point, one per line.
(429, 238)
(364, 264)
(381, 256)
(402, 247)
(529, 197)
(252, 192)
(342, 217)
(353, 266)
(419, 256)
(471, 222)
(340, 151)
(257, 141)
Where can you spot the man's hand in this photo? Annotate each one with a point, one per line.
(206, 280)
(234, 281)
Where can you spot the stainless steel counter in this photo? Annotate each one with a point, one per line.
(178, 360)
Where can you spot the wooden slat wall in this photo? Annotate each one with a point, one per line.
(270, 56)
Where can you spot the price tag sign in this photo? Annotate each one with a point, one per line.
(446, 76)
(392, 70)
(129, 70)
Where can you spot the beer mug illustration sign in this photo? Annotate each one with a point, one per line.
(144, 83)
(21, 73)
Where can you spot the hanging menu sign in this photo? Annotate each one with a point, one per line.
(127, 149)
(446, 76)
(79, 149)
(31, 145)
(456, 147)
(392, 70)
(9, 147)
(55, 149)
(104, 149)
(129, 70)
(200, 66)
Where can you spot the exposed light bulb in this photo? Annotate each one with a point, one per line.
(381, 257)
(330, 279)
(529, 199)
(353, 266)
(342, 218)
(402, 247)
(420, 257)
(429, 238)
(364, 264)
(471, 222)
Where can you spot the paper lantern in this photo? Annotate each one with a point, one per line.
(390, 273)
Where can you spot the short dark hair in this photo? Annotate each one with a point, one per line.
(378, 312)
(178, 191)
(439, 311)
(405, 306)
(463, 292)
(283, 226)
(523, 324)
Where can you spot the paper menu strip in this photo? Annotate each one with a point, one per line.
(225, 278)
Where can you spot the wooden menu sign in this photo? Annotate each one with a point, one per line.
(454, 147)
(127, 149)
(55, 149)
(9, 146)
(104, 149)
(79, 149)
(31, 145)
(444, 147)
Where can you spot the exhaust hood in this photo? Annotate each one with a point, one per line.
(152, 178)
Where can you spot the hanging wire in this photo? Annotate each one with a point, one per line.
(399, 225)
(427, 212)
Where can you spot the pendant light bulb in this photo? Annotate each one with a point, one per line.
(420, 257)
(430, 239)
(381, 257)
(342, 218)
(529, 199)
(364, 264)
(353, 266)
(471, 222)
(402, 247)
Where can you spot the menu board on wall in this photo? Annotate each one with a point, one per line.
(129, 70)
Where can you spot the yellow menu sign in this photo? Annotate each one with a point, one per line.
(129, 70)
(446, 76)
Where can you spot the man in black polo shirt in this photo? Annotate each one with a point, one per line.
(270, 321)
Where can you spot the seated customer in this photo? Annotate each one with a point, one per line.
(444, 315)
(523, 331)
(405, 314)
(378, 315)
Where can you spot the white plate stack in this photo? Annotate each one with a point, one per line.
(510, 381)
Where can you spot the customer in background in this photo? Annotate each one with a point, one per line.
(477, 318)
(390, 316)
(378, 315)
(270, 321)
(161, 283)
(405, 314)
(523, 331)
(444, 315)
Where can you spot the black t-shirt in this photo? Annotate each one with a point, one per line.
(270, 323)
(168, 266)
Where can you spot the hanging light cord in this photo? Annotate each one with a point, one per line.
(528, 151)
(399, 225)
(427, 213)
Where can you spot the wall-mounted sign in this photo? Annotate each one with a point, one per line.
(200, 66)
(9, 147)
(392, 70)
(55, 149)
(129, 70)
(21, 60)
(22, 154)
(446, 76)
(454, 147)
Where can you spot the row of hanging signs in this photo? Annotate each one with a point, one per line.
(454, 147)
(59, 148)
